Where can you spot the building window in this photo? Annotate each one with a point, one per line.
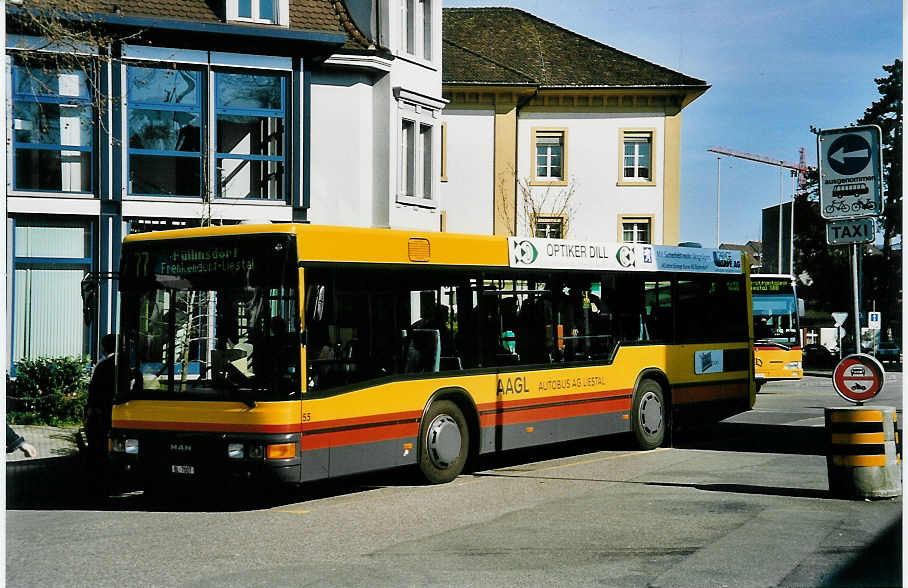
(50, 260)
(251, 142)
(637, 156)
(416, 26)
(53, 128)
(416, 180)
(636, 230)
(165, 130)
(258, 11)
(549, 160)
(549, 227)
(444, 152)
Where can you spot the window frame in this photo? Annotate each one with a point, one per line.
(422, 159)
(559, 219)
(636, 219)
(200, 109)
(216, 157)
(417, 33)
(87, 264)
(81, 101)
(280, 15)
(537, 180)
(633, 135)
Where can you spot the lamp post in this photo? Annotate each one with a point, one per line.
(718, 186)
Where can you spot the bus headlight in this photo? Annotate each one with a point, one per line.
(130, 446)
(793, 365)
(236, 451)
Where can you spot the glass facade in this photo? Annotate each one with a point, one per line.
(164, 130)
(53, 130)
(50, 259)
(249, 113)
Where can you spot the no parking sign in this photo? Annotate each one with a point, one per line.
(858, 378)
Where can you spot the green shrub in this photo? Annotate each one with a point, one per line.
(48, 391)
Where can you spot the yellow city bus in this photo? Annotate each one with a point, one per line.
(777, 332)
(301, 352)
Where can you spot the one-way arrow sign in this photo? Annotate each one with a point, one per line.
(851, 179)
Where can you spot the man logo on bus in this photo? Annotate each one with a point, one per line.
(525, 252)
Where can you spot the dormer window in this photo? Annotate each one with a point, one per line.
(258, 11)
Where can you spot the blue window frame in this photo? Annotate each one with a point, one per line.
(50, 258)
(251, 142)
(53, 128)
(164, 128)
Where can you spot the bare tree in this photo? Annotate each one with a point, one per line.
(535, 203)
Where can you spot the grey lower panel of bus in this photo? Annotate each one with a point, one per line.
(353, 459)
(517, 435)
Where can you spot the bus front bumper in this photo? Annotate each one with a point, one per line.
(162, 456)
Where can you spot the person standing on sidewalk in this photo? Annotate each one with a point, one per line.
(100, 403)
(15, 441)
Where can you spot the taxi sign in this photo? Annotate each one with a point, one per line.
(858, 378)
(851, 172)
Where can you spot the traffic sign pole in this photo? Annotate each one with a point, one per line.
(857, 299)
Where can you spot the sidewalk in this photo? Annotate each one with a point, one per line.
(48, 441)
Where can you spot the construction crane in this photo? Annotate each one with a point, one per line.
(799, 170)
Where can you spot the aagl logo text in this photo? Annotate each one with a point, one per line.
(727, 259)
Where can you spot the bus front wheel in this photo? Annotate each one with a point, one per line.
(648, 414)
(444, 442)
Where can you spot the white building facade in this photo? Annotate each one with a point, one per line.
(552, 134)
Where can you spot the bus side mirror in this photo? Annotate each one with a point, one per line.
(89, 288)
(801, 311)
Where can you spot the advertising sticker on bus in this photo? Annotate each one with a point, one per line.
(858, 378)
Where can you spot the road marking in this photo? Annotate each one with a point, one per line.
(598, 459)
(294, 511)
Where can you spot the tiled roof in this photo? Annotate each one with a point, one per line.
(323, 16)
(509, 46)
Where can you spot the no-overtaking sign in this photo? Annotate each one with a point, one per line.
(851, 179)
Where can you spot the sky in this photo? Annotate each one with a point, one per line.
(775, 67)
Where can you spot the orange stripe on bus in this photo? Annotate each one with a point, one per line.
(565, 398)
(529, 414)
(357, 436)
(371, 419)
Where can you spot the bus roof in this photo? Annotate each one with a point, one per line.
(323, 243)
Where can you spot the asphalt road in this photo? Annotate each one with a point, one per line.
(742, 503)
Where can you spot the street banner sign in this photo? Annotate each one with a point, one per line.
(839, 318)
(874, 320)
(858, 378)
(850, 232)
(851, 172)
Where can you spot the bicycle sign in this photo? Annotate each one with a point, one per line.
(851, 181)
(858, 378)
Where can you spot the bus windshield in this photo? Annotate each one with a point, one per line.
(776, 318)
(207, 320)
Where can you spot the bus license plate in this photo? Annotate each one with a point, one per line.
(182, 469)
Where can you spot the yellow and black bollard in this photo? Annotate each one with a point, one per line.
(863, 452)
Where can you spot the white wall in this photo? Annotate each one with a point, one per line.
(468, 195)
(342, 154)
(593, 168)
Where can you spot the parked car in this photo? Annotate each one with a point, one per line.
(889, 351)
(818, 357)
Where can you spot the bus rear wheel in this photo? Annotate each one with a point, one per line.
(648, 414)
(444, 442)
